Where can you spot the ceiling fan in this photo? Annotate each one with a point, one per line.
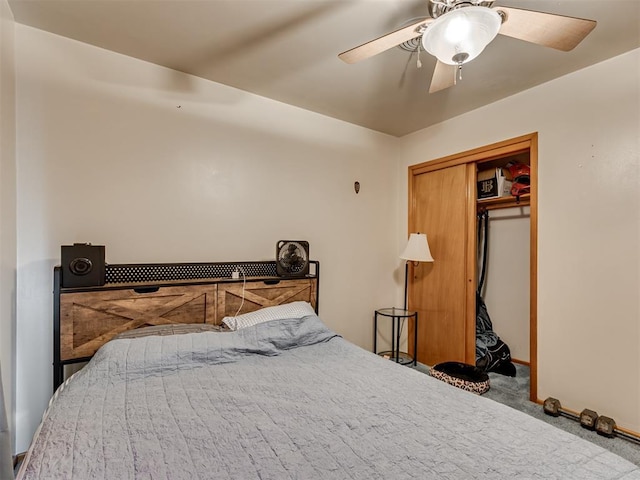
(457, 31)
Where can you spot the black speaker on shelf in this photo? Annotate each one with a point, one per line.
(83, 265)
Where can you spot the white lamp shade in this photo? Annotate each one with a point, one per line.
(460, 35)
(417, 249)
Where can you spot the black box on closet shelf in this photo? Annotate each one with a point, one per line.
(493, 183)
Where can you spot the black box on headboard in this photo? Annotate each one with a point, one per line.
(83, 265)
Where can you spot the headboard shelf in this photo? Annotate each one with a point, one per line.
(140, 295)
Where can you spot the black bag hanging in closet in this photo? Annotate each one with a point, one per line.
(492, 354)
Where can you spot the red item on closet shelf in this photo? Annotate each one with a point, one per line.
(520, 173)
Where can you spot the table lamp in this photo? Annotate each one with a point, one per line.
(417, 250)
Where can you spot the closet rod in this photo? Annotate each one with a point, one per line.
(511, 217)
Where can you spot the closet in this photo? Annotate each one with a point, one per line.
(443, 203)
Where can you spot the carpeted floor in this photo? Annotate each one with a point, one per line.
(514, 392)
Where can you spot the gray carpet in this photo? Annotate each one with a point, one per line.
(514, 392)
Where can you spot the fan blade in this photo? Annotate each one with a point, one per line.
(548, 29)
(385, 42)
(444, 76)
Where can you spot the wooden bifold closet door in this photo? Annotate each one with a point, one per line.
(438, 290)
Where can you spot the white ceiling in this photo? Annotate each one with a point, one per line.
(287, 50)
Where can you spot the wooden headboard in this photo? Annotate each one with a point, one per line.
(142, 295)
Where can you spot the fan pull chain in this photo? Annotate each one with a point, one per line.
(419, 63)
(457, 75)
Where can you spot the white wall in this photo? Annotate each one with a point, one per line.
(160, 166)
(588, 226)
(7, 209)
(506, 291)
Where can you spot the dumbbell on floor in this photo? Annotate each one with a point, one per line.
(588, 419)
(553, 407)
(606, 426)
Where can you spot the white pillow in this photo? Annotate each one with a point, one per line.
(288, 310)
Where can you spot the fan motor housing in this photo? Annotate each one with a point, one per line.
(441, 7)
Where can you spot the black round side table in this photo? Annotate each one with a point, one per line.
(397, 316)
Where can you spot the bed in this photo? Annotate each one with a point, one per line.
(282, 397)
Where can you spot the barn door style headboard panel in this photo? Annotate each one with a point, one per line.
(141, 295)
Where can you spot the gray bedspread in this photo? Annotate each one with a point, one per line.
(288, 399)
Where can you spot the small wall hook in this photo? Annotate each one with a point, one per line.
(356, 187)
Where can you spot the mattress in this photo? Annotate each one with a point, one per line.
(288, 399)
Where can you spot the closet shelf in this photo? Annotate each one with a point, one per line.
(504, 202)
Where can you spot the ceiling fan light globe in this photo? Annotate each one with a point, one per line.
(462, 33)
